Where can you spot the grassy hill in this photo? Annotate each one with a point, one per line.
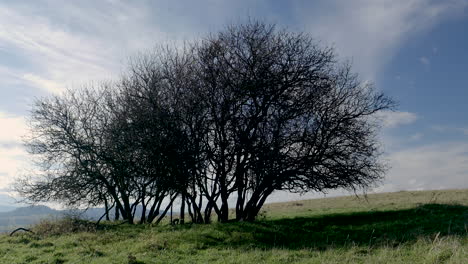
(402, 227)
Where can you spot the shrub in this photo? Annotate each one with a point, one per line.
(52, 227)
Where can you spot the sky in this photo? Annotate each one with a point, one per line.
(412, 50)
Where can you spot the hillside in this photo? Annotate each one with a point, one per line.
(29, 215)
(25, 216)
(402, 227)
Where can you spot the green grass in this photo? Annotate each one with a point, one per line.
(403, 227)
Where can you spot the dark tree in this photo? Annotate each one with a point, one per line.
(233, 117)
(283, 114)
(91, 151)
(165, 81)
(68, 135)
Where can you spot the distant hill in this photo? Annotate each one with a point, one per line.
(29, 215)
(7, 203)
(24, 216)
(30, 210)
(6, 208)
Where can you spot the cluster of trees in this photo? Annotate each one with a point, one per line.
(220, 123)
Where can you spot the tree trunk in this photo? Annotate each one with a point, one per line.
(165, 210)
(127, 210)
(189, 209)
(171, 213)
(107, 209)
(182, 209)
(117, 212)
(154, 211)
(143, 212)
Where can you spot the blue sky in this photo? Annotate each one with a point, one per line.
(414, 50)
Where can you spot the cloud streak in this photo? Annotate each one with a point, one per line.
(62, 53)
(451, 129)
(437, 166)
(371, 31)
(12, 154)
(393, 119)
(424, 60)
(13, 128)
(76, 42)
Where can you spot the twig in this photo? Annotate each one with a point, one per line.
(19, 229)
(107, 212)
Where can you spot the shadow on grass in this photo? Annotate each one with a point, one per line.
(373, 229)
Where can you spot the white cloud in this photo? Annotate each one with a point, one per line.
(76, 42)
(12, 154)
(12, 128)
(371, 31)
(445, 129)
(48, 85)
(13, 161)
(392, 119)
(438, 166)
(429, 167)
(59, 55)
(424, 60)
(54, 54)
(416, 137)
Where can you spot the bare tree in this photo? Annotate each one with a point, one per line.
(92, 151)
(67, 138)
(236, 116)
(283, 115)
(164, 82)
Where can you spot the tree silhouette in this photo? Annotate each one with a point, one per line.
(232, 117)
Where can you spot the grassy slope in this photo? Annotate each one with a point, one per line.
(403, 227)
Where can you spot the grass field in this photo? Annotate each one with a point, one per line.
(402, 227)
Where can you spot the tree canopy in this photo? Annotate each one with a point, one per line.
(220, 123)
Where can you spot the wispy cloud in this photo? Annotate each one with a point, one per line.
(437, 166)
(371, 31)
(75, 42)
(424, 60)
(12, 154)
(416, 137)
(89, 46)
(392, 119)
(12, 128)
(465, 131)
(13, 161)
(453, 129)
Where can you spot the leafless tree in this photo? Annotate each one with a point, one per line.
(91, 151)
(235, 116)
(283, 115)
